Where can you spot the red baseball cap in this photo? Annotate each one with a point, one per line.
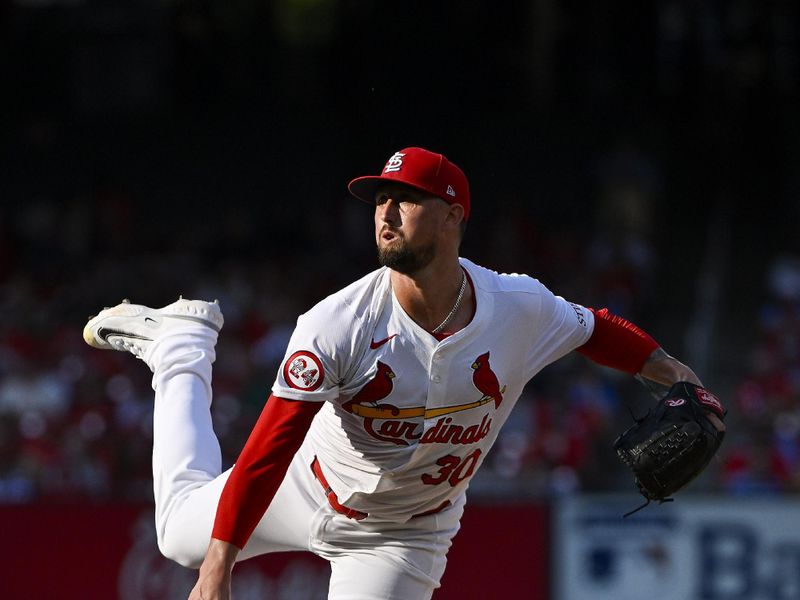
(421, 169)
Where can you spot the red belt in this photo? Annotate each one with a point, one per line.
(332, 498)
(351, 513)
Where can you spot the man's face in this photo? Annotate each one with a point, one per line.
(407, 225)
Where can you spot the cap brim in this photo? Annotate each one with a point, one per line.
(364, 188)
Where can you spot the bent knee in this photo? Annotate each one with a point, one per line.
(181, 550)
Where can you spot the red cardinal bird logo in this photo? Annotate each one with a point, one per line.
(486, 381)
(364, 403)
(375, 389)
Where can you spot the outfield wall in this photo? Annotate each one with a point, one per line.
(703, 548)
(105, 552)
(698, 548)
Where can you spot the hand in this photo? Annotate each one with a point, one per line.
(214, 580)
(212, 587)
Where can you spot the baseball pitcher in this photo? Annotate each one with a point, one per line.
(390, 394)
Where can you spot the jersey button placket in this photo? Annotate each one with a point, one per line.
(436, 359)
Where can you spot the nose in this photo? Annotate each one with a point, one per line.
(388, 211)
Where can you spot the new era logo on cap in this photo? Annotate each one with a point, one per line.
(421, 169)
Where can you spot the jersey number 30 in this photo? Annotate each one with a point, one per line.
(454, 469)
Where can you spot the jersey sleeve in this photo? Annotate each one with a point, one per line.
(316, 357)
(558, 328)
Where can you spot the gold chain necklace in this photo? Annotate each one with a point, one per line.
(456, 306)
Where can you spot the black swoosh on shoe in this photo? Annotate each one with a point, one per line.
(103, 333)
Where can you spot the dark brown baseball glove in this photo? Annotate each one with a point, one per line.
(673, 443)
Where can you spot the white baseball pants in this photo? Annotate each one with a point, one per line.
(368, 560)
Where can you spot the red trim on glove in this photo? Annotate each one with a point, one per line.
(618, 343)
(709, 401)
(261, 467)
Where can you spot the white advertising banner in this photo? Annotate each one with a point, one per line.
(696, 548)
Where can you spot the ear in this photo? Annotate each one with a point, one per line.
(455, 215)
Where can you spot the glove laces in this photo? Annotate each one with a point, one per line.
(646, 504)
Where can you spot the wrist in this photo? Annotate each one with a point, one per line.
(664, 369)
(220, 557)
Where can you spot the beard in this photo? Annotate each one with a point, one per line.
(404, 259)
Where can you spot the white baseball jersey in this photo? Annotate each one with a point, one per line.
(409, 419)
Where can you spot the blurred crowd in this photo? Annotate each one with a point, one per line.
(765, 455)
(197, 148)
(76, 423)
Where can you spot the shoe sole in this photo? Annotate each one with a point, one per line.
(196, 311)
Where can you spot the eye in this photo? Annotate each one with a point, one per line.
(381, 199)
(408, 199)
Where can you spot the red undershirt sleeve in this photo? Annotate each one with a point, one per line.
(618, 343)
(261, 467)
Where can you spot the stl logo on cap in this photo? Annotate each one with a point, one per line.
(303, 371)
(395, 163)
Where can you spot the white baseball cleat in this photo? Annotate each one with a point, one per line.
(133, 327)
